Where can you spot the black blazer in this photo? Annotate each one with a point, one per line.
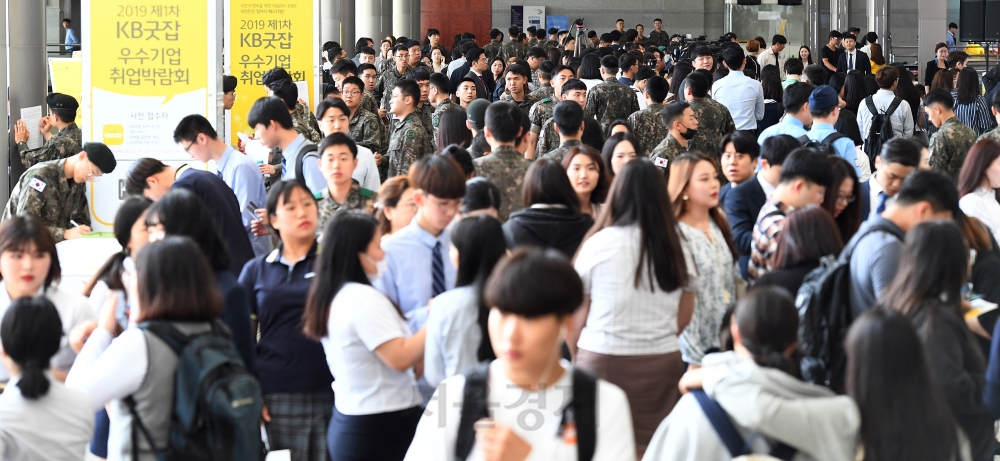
(742, 206)
(222, 203)
(458, 75)
(863, 64)
(481, 91)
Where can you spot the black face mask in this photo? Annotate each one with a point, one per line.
(689, 134)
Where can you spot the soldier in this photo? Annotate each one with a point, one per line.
(504, 166)
(424, 108)
(533, 36)
(544, 88)
(365, 127)
(494, 47)
(439, 99)
(66, 142)
(714, 119)
(535, 58)
(338, 159)
(368, 74)
(572, 90)
(414, 61)
(568, 117)
(513, 48)
(647, 124)
(553, 40)
(682, 127)
(610, 99)
(408, 141)
(387, 81)
(516, 80)
(55, 191)
(658, 35)
(952, 141)
(993, 134)
(345, 68)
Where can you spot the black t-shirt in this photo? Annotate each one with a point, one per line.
(832, 55)
(222, 203)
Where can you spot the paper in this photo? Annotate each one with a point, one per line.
(254, 149)
(303, 87)
(279, 455)
(32, 116)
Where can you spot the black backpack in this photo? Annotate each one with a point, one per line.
(825, 315)
(217, 403)
(308, 150)
(825, 146)
(880, 131)
(582, 411)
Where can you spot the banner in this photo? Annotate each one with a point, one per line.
(517, 16)
(262, 35)
(534, 16)
(155, 62)
(66, 75)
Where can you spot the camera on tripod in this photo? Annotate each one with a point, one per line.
(578, 22)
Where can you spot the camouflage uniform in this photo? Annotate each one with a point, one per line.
(525, 103)
(548, 137)
(513, 49)
(542, 91)
(368, 102)
(66, 143)
(611, 100)
(367, 130)
(493, 49)
(358, 198)
(386, 83)
(374, 97)
(407, 143)
(436, 115)
(950, 145)
(669, 149)
(714, 122)
(426, 112)
(505, 167)
(648, 127)
(44, 192)
(993, 134)
(532, 42)
(661, 38)
(550, 45)
(535, 82)
(558, 153)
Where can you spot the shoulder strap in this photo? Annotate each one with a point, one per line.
(832, 138)
(893, 106)
(723, 426)
(804, 139)
(166, 332)
(584, 413)
(473, 408)
(870, 102)
(137, 427)
(304, 151)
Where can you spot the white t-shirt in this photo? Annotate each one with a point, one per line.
(362, 319)
(623, 319)
(73, 309)
(534, 416)
(366, 173)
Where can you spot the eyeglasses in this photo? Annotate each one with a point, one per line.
(846, 199)
(351, 93)
(91, 176)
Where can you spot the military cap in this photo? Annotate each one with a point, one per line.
(477, 111)
(100, 155)
(553, 31)
(59, 101)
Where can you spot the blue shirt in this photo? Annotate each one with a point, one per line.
(625, 81)
(315, 180)
(743, 96)
(243, 176)
(949, 39)
(844, 147)
(409, 278)
(71, 37)
(790, 126)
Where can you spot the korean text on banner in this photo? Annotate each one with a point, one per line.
(264, 35)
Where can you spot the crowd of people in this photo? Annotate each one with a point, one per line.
(529, 249)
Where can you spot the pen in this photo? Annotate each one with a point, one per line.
(74, 223)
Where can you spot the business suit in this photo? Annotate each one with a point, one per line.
(457, 76)
(742, 206)
(861, 62)
(481, 91)
(724, 192)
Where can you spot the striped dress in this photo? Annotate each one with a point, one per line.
(975, 115)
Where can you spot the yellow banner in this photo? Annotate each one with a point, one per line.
(264, 35)
(67, 78)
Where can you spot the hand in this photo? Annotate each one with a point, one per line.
(301, 101)
(266, 168)
(44, 127)
(381, 114)
(79, 334)
(378, 159)
(691, 380)
(20, 132)
(108, 319)
(265, 415)
(500, 443)
(76, 232)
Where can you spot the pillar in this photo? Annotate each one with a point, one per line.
(5, 179)
(839, 15)
(329, 21)
(385, 21)
(878, 22)
(402, 21)
(812, 26)
(369, 20)
(29, 84)
(418, 32)
(347, 27)
(932, 18)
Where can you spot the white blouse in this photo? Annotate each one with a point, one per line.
(982, 204)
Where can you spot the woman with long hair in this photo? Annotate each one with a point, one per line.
(945, 79)
(589, 176)
(590, 70)
(497, 67)
(809, 234)
(770, 80)
(903, 413)
(369, 347)
(876, 57)
(619, 149)
(456, 325)
(639, 293)
(679, 72)
(395, 208)
(130, 232)
(551, 217)
(843, 201)
(971, 107)
(927, 290)
(694, 192)
(978, 183)
(453, 130)
(439, 59)
(758, 386)
(907, 91)
(805, 55)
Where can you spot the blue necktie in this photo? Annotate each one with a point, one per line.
(437, 268)
(219, 174)
(850, 61)
(881, 202)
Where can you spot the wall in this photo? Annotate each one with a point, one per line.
(685, 17)
(457, 16)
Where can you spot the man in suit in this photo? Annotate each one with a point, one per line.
(477, 71)
(852, 58)
(743, 203)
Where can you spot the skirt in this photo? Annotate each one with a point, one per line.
(299, 423)
(378, 437)
(649, 382)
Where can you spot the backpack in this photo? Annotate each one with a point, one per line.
(825, 146)
(991, 79)
(308, 150)
(825, 315)
(581, 411)
(737, 447)
(217, 403)
(880, 131)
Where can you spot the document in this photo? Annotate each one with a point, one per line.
(303, 87)
(32, 116)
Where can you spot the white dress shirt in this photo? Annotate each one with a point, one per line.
(901, 118)
(851, 58)
(768, 187)
(56, 426)
(366, 173)
(982, 204)
(743, 96)
(873, 196)
(769, 57)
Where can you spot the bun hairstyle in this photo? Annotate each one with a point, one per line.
(31, 332)
(769, 325)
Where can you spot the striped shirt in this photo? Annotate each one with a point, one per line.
(770, 221)
(975, 115)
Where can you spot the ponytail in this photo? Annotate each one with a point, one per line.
(31, 332)
(768, 324)
(33, 383)
(769, 357)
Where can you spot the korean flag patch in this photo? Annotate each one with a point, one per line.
(37, 184)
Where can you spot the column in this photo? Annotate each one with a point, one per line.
(5, 180)
(329, 21)
(839, 15)
(385, 22)
(401, 18)
(29, 84)
(418, 33)
(931, 14)
(347, 27)
(369, 20)
(812, 26)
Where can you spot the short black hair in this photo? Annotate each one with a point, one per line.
(515, 288)
(474, 54)
(439, 176)
(657, 88)
(365, 66)
(480, 194)
(673, 111)
(519, 70)
(796, 95)
(367, 50)
(191, 126)
(269, 109)
(816, 74)
(344, 67)
(626, 61)
(849, 36)
(495, 33)
(536, 52)
(775, 149)
(952, 25)
(513, 31)
(734, 57)
(940, 97)
(834, 34)
(418, 74)
(67, 20)
(996, 100)
(328, 104)
(703, 50)
(545, 69)
(743, 142)
(807, 164)
(439, 81)
(287, 92)
(572, 84)
(699, 83)
(930, 186)
(462, 157)
(409, 88)
(779, 39)
(274, 75)
(903, 151)
(793, 66)
(568, 116)
(609, 64)
(337, 139)
(503, 119)
(356, 81)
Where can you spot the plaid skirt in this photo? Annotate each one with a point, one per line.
(299, 423)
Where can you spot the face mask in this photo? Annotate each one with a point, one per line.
(327, 65)
(380, 267)
(689, 134)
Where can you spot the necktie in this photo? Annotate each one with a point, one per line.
(850, 61)
(437, 269)
(219, 174)
(881, 202)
